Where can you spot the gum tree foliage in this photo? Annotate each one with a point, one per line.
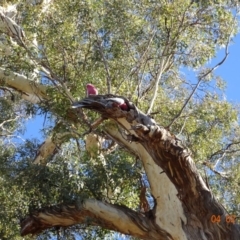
(136, 49)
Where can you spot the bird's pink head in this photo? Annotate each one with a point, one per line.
(91, 90)
(124, 106)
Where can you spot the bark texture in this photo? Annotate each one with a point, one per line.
(113, 217)
(184, 204)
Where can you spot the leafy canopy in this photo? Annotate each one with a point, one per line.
(129, 48)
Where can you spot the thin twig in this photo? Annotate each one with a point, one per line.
(223, 175)
(94, 125)
(163, 66)
(139, 62)
(197, 85)
(9, 120)
(105, 64)
(223, 152)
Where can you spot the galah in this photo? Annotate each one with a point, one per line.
(91, 90)
(114, 102)
(118, 102)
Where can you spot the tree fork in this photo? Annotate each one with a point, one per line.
(198, 204)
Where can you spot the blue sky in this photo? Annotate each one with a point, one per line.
(230, 70)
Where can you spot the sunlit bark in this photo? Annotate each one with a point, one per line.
(30, 90)
(184, 205)
(97, 213)
(168, 208)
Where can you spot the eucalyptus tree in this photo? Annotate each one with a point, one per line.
(102, 168)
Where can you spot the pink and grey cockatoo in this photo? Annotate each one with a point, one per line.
(91, 90)
(110, 102)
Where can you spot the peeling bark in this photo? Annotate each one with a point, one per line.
(168, 208)
(175, 160)
(97, 213)
(183, 202)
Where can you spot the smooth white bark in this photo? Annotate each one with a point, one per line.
(110, 214)
(169, 211)
(96, 212)
(31, 91)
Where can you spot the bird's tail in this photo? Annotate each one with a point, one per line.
(77, 105)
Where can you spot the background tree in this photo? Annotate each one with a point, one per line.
(118, 170)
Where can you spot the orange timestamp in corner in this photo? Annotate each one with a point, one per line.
(217, 218)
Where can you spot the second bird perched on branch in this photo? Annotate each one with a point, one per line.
(116, 101)
(91, 90)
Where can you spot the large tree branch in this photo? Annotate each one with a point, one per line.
(31, 91)
(163, 146)
(182, 199)
(167, 203)
(113, 217)
(17, 36)
(35, 93)
(168, 153)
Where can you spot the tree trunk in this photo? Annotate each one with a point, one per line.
(184, 205)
